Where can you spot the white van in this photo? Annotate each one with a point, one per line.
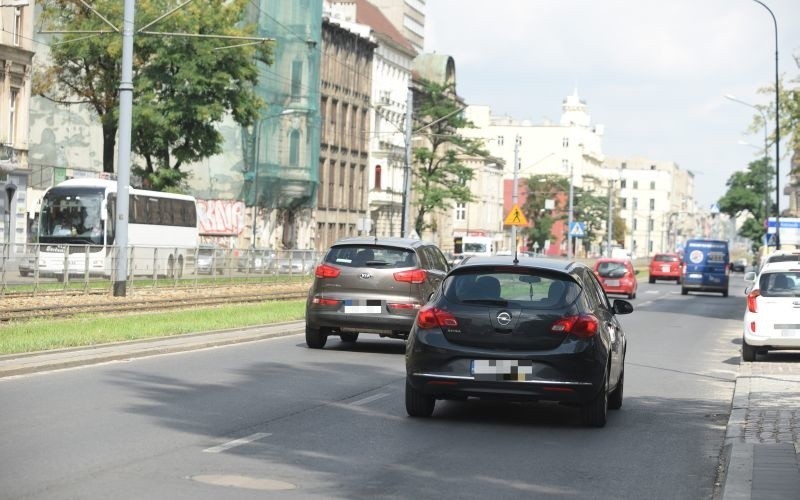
(477, 245)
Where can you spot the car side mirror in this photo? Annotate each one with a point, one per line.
(750, 276)
(622, 306)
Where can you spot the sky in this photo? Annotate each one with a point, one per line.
(653, 72)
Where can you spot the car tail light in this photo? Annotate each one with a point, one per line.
(415, 276)
(325, 271)
(753, 326)
(405, 306)
(584, 326)
(751, 300)
(431, 317)
(325, 302)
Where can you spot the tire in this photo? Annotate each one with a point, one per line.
(170, 268)
(652, 280)
(350, 338)
(179, 270)
(315, 337)
(417, 403)
(684, 291)
(632, 295)
(725, 293)
(615, 398)
(595, 412)
(24, 274)
(748, 351)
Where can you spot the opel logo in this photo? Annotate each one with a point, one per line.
(365, 276)
(504, 318)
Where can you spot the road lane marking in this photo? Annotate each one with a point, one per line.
(369, 399)
(236, 442)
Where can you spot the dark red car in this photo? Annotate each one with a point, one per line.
(617, 276)
(665, 266)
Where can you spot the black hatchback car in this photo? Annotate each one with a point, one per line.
(527, 329)
(371, 285)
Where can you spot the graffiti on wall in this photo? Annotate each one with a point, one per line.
(220, 217)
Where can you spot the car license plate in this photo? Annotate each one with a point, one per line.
(363, 307)
(612, 282)
(502, 369)
(665, 269)
(789, 333)
(696, 275)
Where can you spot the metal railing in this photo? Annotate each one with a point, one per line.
(43, 267)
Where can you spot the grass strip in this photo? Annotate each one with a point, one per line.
(86, 330)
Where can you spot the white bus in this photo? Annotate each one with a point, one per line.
(77, 228)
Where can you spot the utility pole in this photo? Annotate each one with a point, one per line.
(569, 215)
(406, 222)
(515, 191)
(124, 155)
(610, 224)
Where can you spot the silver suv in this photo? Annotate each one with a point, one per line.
(371, 285)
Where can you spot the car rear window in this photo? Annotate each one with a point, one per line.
(611, 269)
(666, 258)
(510, 288)
(371, 256)
(780, 284)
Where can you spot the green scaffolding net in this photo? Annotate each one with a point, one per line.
(281, 150)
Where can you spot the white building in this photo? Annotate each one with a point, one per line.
(408, 16)
(391, 75)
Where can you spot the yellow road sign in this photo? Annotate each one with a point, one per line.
(515, 218)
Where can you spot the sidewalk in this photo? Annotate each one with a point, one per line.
(763, 433)
(761, 442)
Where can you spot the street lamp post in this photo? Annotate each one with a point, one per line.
(569, 214)
(777, 135)
(515, 192)
(766, 151)
(11, 188)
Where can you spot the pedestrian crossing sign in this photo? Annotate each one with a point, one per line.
(515, 218)
(576, 230)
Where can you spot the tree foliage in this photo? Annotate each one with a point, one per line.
(588, 207)
(789, 99)
(183, 85)
(439, 175)
(748, 194)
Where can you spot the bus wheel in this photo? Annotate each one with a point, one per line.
(179, 270)
(170, 267)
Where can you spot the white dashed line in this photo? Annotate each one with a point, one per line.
(369, 399)
(236, 442)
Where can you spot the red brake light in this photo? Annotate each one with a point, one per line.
(751, 300)
(326, 271)
(415, 276)
(432, 317)
(583, 326)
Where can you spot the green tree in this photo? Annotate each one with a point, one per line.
(183, 86)
(746, 195)
(540, 189)
(592, 210)
(789, 98)
(439, 176)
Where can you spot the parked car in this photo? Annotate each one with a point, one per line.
(617, 276)
(665, 266)
(210, 259)
(534, 329)
(739, 265)
(294, 261)
(26, 264)
(255, 260)
(371, 285)
(773, 309)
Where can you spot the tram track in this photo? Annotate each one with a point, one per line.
(45, 307)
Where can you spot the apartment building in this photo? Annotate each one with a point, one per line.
(408, 16)
(342, 207)
(16, 55)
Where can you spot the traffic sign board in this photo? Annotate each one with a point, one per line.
(576, 230)
(515, 218)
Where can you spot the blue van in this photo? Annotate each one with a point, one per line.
(705, 267)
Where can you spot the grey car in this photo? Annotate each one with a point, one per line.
(371, 285)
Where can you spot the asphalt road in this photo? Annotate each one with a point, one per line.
(273, 418)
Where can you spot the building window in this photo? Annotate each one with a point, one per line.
(624, 203)
(12, 116)
(297, 79)
(624, 165)
(652, 203)
(461, 211)
(652, 184)
(565, 165)
(650, 224)
(17, 25)
(565, 142)
(294, 148)
(623, 183)
(500, 140)
(635, 223)
(377, 177)
(634, 203)
(635, 184)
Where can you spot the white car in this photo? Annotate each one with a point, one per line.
(772, 317)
